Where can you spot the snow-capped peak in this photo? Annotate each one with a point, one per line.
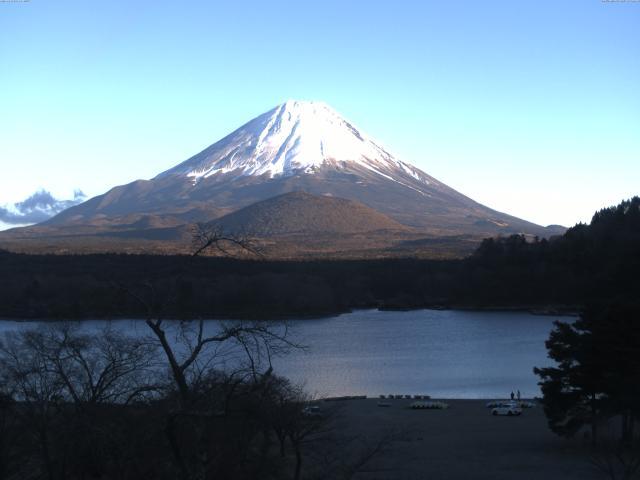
(295, 137)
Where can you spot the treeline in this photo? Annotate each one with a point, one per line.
(589, 262)
(99, 286)
(595, 380)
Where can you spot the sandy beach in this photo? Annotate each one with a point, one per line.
(464, 442)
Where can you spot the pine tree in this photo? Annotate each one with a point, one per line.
(598, 371)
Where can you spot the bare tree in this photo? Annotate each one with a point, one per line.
(107, 367)
(192, 346)
(64, 382)
(210, 236)
(31, 382)
(208, 403)
(192, 349)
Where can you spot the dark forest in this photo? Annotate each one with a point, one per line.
(588, 263)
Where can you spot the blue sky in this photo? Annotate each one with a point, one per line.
(530, 107)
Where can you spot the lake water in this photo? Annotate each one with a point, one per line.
(442, 353)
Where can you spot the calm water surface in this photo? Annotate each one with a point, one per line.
(442, 353)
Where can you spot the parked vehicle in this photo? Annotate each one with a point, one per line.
(509, 408)
(519, 403)
(312, 411)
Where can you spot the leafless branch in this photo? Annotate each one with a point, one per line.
(207, 236)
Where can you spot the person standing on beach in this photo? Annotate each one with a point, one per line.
(518, 395)
(511, 394)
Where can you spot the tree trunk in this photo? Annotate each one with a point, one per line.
(3, 457)
(266, 443)
(282, 439)
(627, 428)
(170, 432)
(594, 421)
(298, 461)
(178, 373)
(46, 457)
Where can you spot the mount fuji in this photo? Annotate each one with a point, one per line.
(299, 146)
(295, 137)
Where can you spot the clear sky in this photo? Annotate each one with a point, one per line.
(530, 107)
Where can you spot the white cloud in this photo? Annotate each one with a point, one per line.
(36, 208)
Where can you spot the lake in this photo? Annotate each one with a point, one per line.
(442, 353)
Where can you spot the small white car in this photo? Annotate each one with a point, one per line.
(509, 408)
(312, 411)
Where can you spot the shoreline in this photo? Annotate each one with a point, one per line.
(549, 311)
(405, 402)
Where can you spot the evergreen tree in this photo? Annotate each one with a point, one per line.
(598, 371)
(573, 392)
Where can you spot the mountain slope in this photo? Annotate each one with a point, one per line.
(298, 146)
(300, 213)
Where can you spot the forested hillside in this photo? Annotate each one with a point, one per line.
(588, 263)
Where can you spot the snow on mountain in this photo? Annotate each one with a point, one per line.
(295, 137)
